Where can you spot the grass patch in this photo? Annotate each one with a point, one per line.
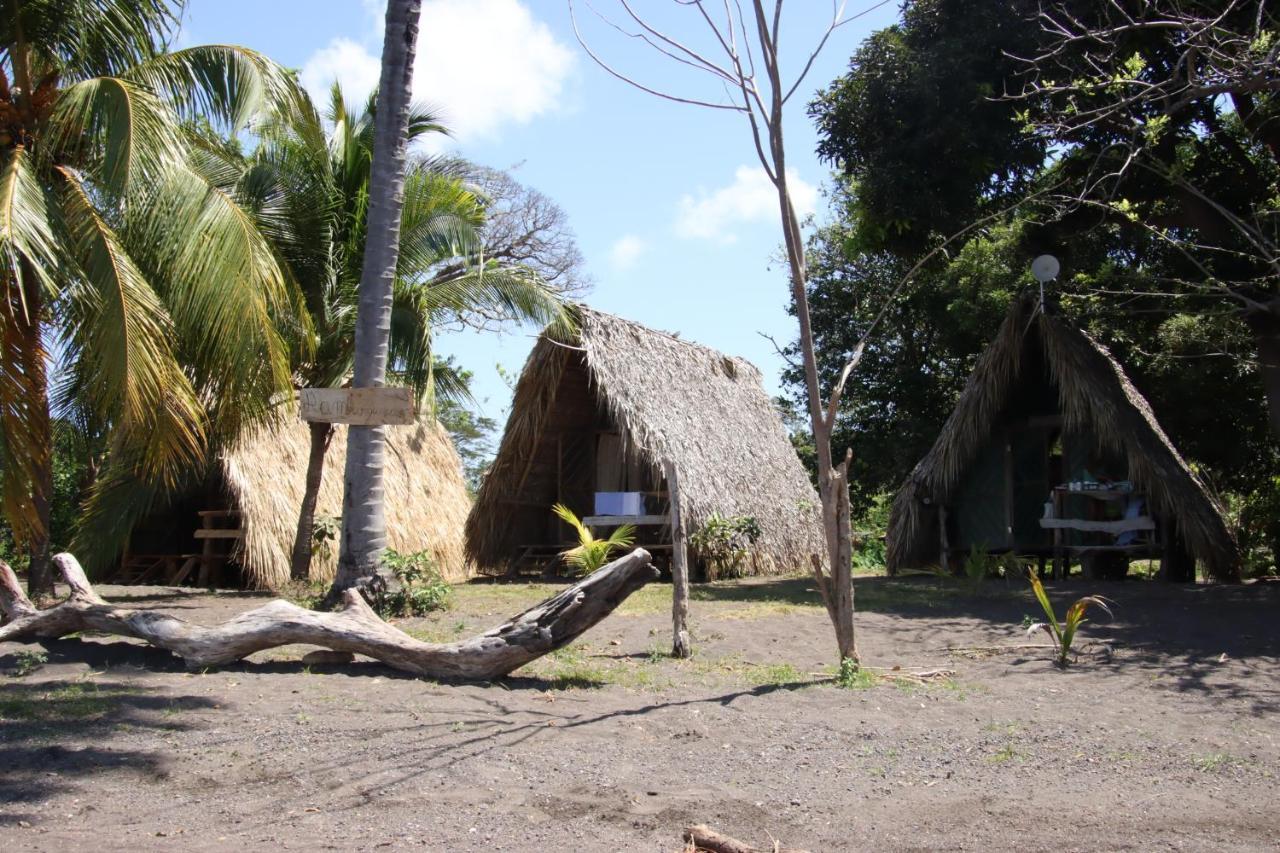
(1216, 762)
(568, 669)
(80, 700)
(27, 662)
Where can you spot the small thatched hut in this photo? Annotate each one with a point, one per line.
(607, 413)
(1046, 409)
(259, 485)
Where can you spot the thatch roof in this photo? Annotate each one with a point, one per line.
(675, 401)
(426, 497)
(1096, 397)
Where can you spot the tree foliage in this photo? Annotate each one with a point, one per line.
(164, 302)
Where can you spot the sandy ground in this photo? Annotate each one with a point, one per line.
(1163, 736)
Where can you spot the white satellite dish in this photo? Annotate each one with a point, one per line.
(1045, 268)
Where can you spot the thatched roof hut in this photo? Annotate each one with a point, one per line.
(1042, 374)
(425, 497)
(608, 411)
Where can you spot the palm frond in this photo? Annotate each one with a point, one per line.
(498, 292)
(567, 516)
(231, 303)
(89, 38)
(116, 131)
(29, 251)
(116, 332)
(230, 84)
(442, 219)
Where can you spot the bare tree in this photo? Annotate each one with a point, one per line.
(524, 227)
(744, 60)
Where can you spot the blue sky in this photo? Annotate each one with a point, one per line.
(677, 224)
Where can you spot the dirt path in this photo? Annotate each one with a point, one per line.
(1168, 742)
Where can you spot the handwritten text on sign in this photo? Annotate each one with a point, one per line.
(358, 406)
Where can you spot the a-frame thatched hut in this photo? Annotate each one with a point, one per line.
(255, 490)
(607, 413)
(1016, 468)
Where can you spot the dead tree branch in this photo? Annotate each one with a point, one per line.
(354, 628)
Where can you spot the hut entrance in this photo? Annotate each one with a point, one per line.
(585, 460)
(190, 541)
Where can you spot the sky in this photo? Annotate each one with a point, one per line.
(676, 221)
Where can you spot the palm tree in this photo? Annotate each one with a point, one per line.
(364, 529)
(312, 193)
(162, 300)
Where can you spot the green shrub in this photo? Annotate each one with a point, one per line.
(725, 543)
(592, 553)
(869, 530)
(420, 588)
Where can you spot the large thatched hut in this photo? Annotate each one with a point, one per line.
(1047, 447)
(247, 508)
(608, 413)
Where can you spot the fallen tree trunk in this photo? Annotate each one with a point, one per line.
(354, 628)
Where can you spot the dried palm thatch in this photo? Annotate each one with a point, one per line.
(673, 401)
(426, 498)
(1096, 398)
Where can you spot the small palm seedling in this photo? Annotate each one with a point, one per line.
(1063, 633)
(592, 553)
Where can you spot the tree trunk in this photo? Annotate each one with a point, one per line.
(39, 574)
(355, 628)
(833, 493)
(300, 562)
(364, 532)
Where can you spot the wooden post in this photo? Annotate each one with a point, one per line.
(205, 578)
(944, 542)
(1058, 554)
(1008, 490)
(681, 646)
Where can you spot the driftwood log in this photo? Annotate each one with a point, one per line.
(704, 838)
(355, 627)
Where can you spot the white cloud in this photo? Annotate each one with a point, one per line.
(750, 198)
(347, 62)
(625, 251)
(483, 64)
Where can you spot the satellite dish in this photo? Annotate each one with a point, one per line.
(1045, 268)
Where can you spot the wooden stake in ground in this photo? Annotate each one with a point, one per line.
(681, 644)
(704, 838)
(354, 627)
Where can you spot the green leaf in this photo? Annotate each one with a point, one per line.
(116, 335)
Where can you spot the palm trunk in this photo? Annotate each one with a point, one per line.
(364, 531)
(39, 572)
(300, 563)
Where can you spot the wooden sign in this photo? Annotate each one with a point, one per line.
(358, 406)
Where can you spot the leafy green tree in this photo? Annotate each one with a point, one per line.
(912, 374)
(472, 433)
(1157, 119)
(311, 192)
(162, 300)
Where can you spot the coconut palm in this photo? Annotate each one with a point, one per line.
(312, 195)
(163, 302)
